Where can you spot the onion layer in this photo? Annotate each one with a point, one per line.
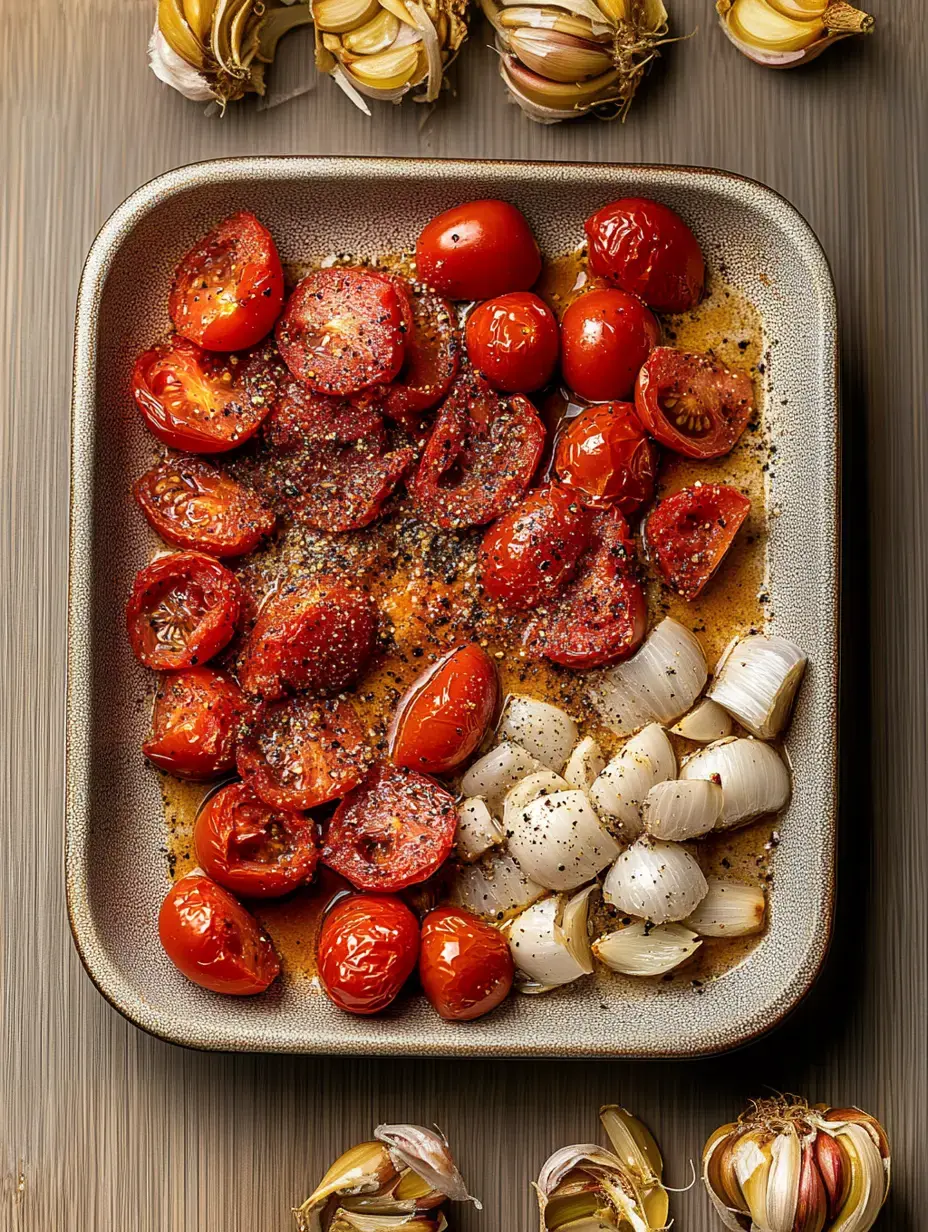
(752, 775)
(639, 949)
(756, 681)
(730, 909)
(478, 830)
(494, 888)
(559, 842)
(707, 721)
(532, 787)
(584, 764)
(549, 941)
(682, 808)
(622, 787)
(657, 881)
(546, 732)
(492, 775)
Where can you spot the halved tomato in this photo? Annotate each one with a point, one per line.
(183, 609)
(368, 946)
(688, 534)
(478, 250)
(394, 830)
(693, 404)
(431, 359)
(192, 504)
(303, 419)
(195, 724)
(300, 753)
(606, 457)
(465, 964)
(251, 848)
(513, 341)
(229, 288)
(606, 335)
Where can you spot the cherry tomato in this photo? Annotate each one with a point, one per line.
(343, 330)
(688, 534)
(605, 338)
(253, 849)
(431, 359)
(212, 940)
(229, 288)
(649, 251)
(478, 250)
(304, 420)
(606, 458)
(393, 831)
(183, 609)
(513, 340)
(693, 404)
(480, 457)
(528, 555)
(195, 724)
(301, 753)
(602, 616)
(445, 712)
(464, 964)
(368, 946)
(192, 504)
(316, 634)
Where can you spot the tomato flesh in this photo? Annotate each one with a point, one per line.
(195, 724)
(430, 363)
(606, 458)
(446, 711)
(606, 336)
(478, 250)
(212, 940)
(368, 946)
(465, 964)
(693, 404)
(688, 534)
(513, 341)
(183, 609)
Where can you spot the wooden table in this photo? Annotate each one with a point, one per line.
(103, 1129)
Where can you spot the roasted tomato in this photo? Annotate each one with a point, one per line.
(478, 250)
(528, 555)
(394, 830)
(212, 940)
(513, 340)
(693, 404)
(252, 849)
(605, 338)
(343, 330)
(431, 359)
(192, 504)
(464, 964)
(368, 946)
(183, 609)
(195, 724)
(317, 634)
(480, 457)
(601, 617)
(192, 400)
(607, 458)
(688, 534)
(445, 712)
(300, 753)
(649, 251)
(229, 289)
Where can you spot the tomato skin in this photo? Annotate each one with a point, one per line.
(252, 849)
(478, 250)
(692, 403)
(212, 940)
(605, 457)
(605, 338)
(465, 965)
(528, 555)
(368, 946)
(229, 289)
(647, 249)
(195, 724)
(688, 534)
(430, 362)
(183, 609)
(513, 340)
(445, 712)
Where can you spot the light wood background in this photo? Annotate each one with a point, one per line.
(103, 1129)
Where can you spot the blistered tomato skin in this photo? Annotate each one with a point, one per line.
(606, 458)
(465, 965)
(445, 712)
(648, 250)
(687, 535)
(692, 403)
(605, 338)
(183, 609)
(478, 250)
(368, 947)
(513, 340)
(195, 724)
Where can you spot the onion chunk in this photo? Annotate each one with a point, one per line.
(680, 809)
(752, 775)
(492, 775)
(756, 681)
(559, 841)
(478, 830)
(730, 909)
(621, 788)
(546, 732)
(657, 881)
(639, 949)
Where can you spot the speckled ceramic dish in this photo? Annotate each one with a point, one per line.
(116, 869)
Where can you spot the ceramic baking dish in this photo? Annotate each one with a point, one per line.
(116, 870)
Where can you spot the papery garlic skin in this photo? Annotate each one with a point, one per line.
(546, 732)
(174, 71)
(756, 681)
(428, 1154)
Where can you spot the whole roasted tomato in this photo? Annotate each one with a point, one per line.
(195, 724)
(693, 404)
(368, 946)
(688, 534)
(183, 609)
(513, 340)
(229, 288)
(478, 250)
(605, 338)
(464, 964)
(606, 457)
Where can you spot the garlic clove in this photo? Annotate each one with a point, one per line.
(770, 37)
(720, 1182)
(559, 57)
(375, 35)
(783, 1181)
(552, 94)
(199, 17)
(752, 1158)
(634, 1144)
(833, 1168)
(428, 1154)
(730, 909)
(707, 721)
(173, 25)
(681, 809)
(641, 950)
(364, 1169)
(399, 11)
(811, 1200)
(549, 941)
(516, 16)
(342, 16)
(755, 22)
(800, 10)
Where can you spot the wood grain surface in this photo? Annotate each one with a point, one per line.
(103, 1129)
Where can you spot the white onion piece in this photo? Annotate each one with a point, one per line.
(756, 681)
(478, 830)
(682, 808)
(656, 685)
(707, 721)
(752, 775)
(539, 783)
(549, 941)
(640, 949)
(584, 764)
(545, 731)
(494, 888)
(559, 842)
(492, 775)
(655, 880)
(621, 788)
(174, 70)
(730, 909)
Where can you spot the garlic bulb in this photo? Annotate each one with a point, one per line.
(478, 830)
(584, 764)
(621, 788)
(730, 909)
(752, 775)
(680, 809)
(640, 949)
(784, 33)
(494, 887)
(545, 731)
(788, 1165)
(756, 681)
(660, 882)
(707, 721)
(558, 840)
(492, 775)
(549, 941)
